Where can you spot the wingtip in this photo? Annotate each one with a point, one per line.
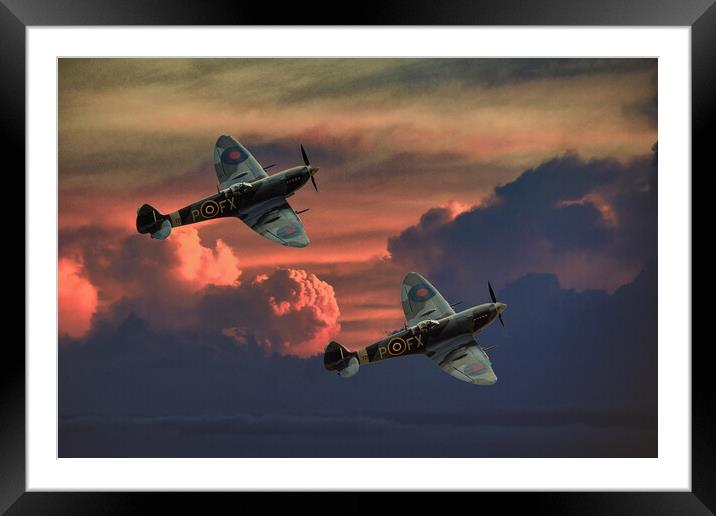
(412, 274)
(299, 244)
(225, 140)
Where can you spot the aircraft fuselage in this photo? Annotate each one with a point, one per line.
(237, 198)
(429, 337)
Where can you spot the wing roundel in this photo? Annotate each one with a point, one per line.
(421, 300)
(464, 359)
(234, 163)
(276, 220)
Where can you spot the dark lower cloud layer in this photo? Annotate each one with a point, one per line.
(495, 435)
(577, 377)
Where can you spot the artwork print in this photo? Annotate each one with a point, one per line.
(357, 257)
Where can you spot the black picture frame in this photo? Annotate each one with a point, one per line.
(17, 15)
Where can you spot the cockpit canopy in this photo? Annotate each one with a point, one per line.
(427, 325)
(239, 188)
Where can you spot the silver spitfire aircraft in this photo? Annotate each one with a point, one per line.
(432, 328)
(245, 191)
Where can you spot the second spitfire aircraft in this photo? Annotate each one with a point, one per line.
(245, 191)
(432, 328)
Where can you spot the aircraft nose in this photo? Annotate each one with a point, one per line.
(500, 307)
(312, 170)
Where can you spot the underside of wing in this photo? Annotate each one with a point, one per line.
(277, 221)
(466, 361)
(234, 163)
(421, 300)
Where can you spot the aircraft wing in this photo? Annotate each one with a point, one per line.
(464, 359)
(276, 220)
(233, 163)
(421, 300)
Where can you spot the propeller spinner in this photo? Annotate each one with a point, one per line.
(500, 306)
(311, 170)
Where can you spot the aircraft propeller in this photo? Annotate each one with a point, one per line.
(311, 170)
(494, 300)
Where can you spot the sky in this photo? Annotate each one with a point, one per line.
(538, 175)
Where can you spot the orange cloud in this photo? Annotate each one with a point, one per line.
(202, 265)
(77, 299)
(455, 208)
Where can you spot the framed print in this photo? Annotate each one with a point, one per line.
(228, 224)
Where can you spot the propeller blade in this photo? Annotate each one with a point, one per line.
(492, 293)
(305, 158)
(501, 321)
(314, 183)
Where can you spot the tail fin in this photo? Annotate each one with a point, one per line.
(149, 220)
(338, 358)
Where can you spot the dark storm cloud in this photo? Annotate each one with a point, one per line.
(566, 207)
(577, 377)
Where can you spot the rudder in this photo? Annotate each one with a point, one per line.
(150, 220)
(338, 358)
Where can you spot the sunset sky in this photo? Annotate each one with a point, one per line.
(536, 174)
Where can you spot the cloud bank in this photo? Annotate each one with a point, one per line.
(590, 222)
(577, 377)
(182, 284)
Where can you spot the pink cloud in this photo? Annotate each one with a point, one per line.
(202, 265)
(297, 313)
(77, 299)
(186, 283)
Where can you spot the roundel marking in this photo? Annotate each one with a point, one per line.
(209, 209)
(476, 368)
(287, 231)
(397, 346)
(420, 293)
(233, 156)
